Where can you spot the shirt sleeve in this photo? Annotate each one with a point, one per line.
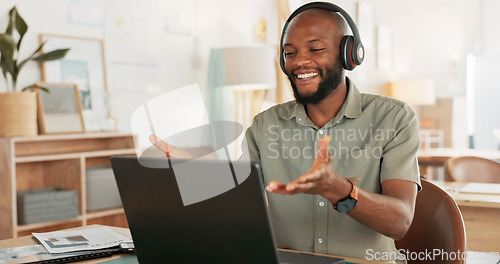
(399, 160)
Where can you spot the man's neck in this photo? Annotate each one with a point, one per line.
(327, 109)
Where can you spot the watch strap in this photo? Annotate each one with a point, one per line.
(353, 194)
(354, 191)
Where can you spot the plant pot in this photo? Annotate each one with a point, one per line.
(18, 114)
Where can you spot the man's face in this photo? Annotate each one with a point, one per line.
(330, 80)
(312, 59)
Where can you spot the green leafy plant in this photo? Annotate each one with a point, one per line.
(9, 49)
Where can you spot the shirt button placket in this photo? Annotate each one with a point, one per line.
(321, 225)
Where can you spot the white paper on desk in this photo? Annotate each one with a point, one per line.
(476, 257)
(83, 239)
(486, 188)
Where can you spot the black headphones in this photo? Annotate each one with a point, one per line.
(352, 51)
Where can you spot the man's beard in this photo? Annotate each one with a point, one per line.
(330, 82)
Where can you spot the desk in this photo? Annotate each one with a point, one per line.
(28, 240)
(481, 214)
(436, 157)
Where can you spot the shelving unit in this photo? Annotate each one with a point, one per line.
(28, 163)
(431, 138)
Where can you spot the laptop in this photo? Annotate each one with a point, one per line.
(230, 225)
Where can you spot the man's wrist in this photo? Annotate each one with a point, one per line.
(348, 203)
(344, 190)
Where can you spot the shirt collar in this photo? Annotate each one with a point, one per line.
(352, 104)
(299, 112)
(350, 109)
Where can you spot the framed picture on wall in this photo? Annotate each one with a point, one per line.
(59, 109)
(83, 65)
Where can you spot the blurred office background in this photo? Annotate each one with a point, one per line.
(155, 46)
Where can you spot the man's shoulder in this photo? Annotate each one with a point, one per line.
(367, 98)
(382, 103)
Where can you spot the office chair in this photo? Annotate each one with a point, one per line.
(472, 169)
(437, 224)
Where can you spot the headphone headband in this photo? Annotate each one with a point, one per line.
(352, 56)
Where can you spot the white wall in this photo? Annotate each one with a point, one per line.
(491, 20)
(486, 87)
(487, 96)
(144, 58)
(430, 39)
(42, 17)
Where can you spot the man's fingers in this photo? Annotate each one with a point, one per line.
(170, 150)
(324, 154)
(294, 187)
(311, 181)
(310, 176)
(159, 144)
(290, 188)
(276, 187)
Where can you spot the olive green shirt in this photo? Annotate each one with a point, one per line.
(373, 137)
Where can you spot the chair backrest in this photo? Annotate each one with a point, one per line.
(472, 169)
(437, 225)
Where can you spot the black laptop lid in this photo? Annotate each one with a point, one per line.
(232, 227)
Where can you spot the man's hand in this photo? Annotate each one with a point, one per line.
(389, 213)
(169, 150)
(321, 178)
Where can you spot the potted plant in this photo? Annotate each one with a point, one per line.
(18, 108)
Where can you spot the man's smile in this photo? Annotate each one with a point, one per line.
(307, 79)
(306, 76)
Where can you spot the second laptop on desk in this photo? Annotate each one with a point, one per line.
(232, 227)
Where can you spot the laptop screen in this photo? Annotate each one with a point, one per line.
(231, 226)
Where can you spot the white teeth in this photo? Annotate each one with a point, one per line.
(305, 76)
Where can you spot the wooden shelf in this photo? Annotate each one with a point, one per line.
(28, 163)
(90, 154)
(104, 213)
(22, 228)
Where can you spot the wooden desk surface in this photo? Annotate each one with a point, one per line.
(469, 199)
(481, 214)
(28, 240)
(437, 153)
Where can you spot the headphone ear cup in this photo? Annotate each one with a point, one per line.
(282, 59)
(346, 49)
